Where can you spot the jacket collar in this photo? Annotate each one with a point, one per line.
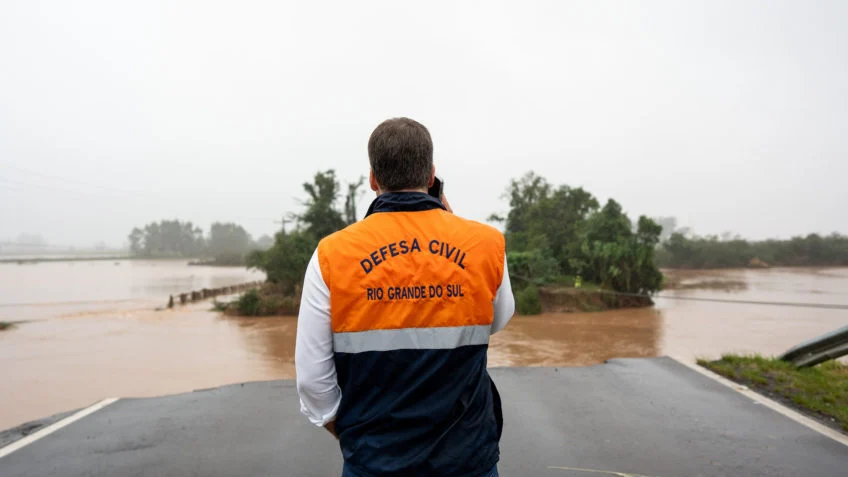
(404, 202)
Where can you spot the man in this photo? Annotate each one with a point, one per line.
(394, 325)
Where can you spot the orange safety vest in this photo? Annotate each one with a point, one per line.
(411, 291)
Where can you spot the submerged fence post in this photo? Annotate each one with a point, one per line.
(197, 295)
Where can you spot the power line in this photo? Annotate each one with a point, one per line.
(827, 306)
(68, 179)
(90, 189)
(13, 183)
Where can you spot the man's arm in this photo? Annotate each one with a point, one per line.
(446, 203)
(504, 303)
(313, 356)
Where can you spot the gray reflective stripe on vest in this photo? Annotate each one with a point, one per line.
(411, 338)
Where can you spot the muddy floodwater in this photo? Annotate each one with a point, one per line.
(89, 330)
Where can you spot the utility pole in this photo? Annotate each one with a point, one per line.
(283, 223)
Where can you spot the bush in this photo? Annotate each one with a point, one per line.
(249, 304)
(265, 302)
(528, 301)
(280, 305)
(285, 262)
(533, 267)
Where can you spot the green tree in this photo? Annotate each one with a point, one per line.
(167, 238)
(608, 225)
(321, 218)
(228, 243)
(136, 238)
(524, 195)
(616, 257)
(539, 210)
(285, 262)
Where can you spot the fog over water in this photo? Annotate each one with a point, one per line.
(727, 115)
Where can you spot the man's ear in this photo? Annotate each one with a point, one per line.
(432, 177)
(372, 180)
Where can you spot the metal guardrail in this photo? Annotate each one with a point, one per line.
(818, 350)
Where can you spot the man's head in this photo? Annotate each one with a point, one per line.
(401, 154)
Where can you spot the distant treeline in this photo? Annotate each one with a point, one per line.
(680, 251)
(226, 244)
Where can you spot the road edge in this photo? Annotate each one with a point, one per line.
(25, 441)
(767, 402)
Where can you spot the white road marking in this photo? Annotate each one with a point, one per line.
(773, 405)
(20, 443)
(596, 471)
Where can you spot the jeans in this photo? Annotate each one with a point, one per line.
(348, 472)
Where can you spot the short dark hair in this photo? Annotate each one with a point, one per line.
(401, 154)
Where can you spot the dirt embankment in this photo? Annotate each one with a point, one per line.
(572, 300)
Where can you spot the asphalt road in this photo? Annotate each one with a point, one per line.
(633, 417)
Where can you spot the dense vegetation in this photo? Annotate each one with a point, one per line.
(554, 234)
(680, 251)
(557, 234)
(227, 243)
(557, 237)
(264, 302)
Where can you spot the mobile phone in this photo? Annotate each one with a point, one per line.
(438, 188)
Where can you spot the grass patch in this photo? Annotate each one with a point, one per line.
(5, 325)
(821, 390)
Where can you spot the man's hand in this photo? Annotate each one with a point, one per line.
(446, 203)
(331, 427)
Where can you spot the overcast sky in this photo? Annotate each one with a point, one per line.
(731, 116)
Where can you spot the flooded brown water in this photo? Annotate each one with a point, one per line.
(92, 332)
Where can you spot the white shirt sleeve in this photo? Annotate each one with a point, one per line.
(504, 303)
(317, 385)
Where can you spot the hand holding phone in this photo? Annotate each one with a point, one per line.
(437, 190)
